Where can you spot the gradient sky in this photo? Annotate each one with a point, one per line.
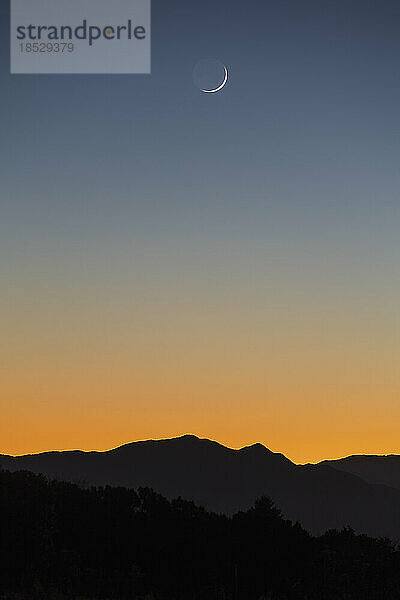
(220, 264)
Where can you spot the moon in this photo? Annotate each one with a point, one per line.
(223, 84)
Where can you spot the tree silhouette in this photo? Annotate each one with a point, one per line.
(59, 541)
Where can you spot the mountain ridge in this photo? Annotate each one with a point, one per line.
(225, 480)
(374, 468)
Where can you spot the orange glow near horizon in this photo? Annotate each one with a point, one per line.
(92, 410)
(93, 363)
(107, 403)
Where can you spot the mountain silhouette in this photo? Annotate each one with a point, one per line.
(60, 541)
(223, 480)
(372, 468)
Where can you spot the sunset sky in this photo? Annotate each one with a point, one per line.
(224, 264)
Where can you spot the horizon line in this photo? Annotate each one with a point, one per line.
(176, 437)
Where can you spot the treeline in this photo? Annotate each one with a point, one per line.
(59, 541)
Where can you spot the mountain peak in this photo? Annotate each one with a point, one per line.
(262, 452)
(228, 480)
(257, 447)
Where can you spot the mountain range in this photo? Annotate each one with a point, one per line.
(372, 468)
(362, 492)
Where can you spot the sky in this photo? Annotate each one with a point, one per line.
(223, 264)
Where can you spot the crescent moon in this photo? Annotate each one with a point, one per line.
(223, 84)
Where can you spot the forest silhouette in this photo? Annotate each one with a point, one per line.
(60, 541)
(225, 480)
